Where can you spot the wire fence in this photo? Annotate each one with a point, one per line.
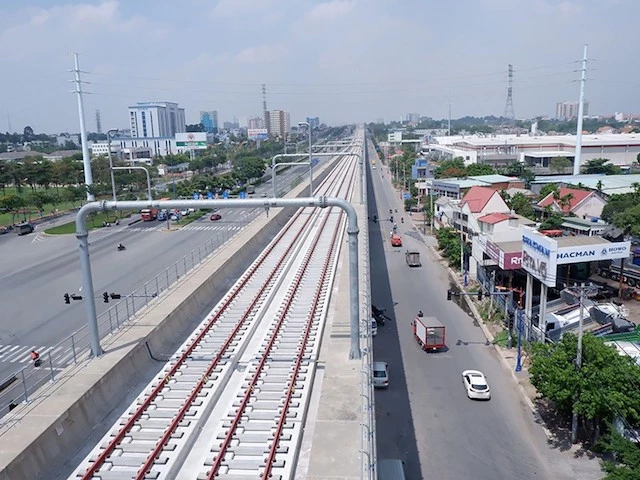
(21, 386)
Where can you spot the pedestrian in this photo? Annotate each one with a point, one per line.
(35, 356)
(420, 314)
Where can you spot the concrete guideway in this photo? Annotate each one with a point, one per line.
(62, 433)
(215, 361)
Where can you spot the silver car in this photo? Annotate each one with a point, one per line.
(380, 374)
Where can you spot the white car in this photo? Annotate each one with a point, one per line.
(476, 385)
(374, 327)
(184, 212)
(380, 374)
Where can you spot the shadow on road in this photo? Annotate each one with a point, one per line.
(394, 422)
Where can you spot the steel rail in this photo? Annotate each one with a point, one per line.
(194, 393)
(254, 380)
(117, 439)
(108, 450)
(305, 339)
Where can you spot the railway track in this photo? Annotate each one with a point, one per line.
(231, 402)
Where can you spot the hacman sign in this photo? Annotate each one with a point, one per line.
(592, 253)
(541, 255)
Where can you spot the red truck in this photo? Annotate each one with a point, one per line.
(149, 214)
(429, 332)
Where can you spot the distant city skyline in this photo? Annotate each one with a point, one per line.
(345, 61)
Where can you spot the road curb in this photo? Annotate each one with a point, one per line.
(490, 338)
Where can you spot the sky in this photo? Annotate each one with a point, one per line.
(344, 61)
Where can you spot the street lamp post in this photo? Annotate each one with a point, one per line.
(148, 177)
(302, 124)
(113, 181)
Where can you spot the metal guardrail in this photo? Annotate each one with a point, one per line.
(21, 386)
(368, 454)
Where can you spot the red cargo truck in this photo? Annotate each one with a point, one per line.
(429, 333)
(149, 214)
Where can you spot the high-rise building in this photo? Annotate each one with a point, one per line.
(413, 118)
(156, 119)
(278, 123)
(314, 122)
(569, 110)
(209, 121)
(255, 122)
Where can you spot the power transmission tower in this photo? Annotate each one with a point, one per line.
(98, 122)
(508, 109)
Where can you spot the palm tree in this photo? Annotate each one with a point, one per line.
(565, 201)
(599, 186)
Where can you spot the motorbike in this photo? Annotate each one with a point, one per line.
(378, 314)
(121, 247)
(401, 219)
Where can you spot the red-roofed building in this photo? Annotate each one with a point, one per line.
(581, 203)
(478, 202)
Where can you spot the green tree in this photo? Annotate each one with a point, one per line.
(618, 203)
(449, 244)
(38, 200)
(521, 204)
(450, 168)
(600, 165)
(603, 387)
(476, 169)
(547, 189)
(12, 203)
(559, 164)
(626, 454)
(552, 222)
(629, 218)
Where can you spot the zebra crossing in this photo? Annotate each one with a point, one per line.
(163, 228)
(22, 353)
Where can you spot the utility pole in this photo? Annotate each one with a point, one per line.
(583, 290)
(576, 163)
(86, 159)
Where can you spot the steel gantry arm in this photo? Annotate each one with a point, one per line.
(322, 202)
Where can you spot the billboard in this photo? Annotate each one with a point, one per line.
(591, 253)
(192, 140)
(257, 134)
(539, 257)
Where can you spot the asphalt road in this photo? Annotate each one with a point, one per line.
(38, 269)
(425, 417)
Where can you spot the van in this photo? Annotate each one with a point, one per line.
(391, 469)
(24, 228)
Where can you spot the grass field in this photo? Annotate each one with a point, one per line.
(94, 222)
(30, 213)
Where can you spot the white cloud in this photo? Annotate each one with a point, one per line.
(66, 28)
(242, 8)
(328, 11)
(261, 54)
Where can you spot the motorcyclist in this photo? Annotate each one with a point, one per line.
(401, 219)
(121, 247)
